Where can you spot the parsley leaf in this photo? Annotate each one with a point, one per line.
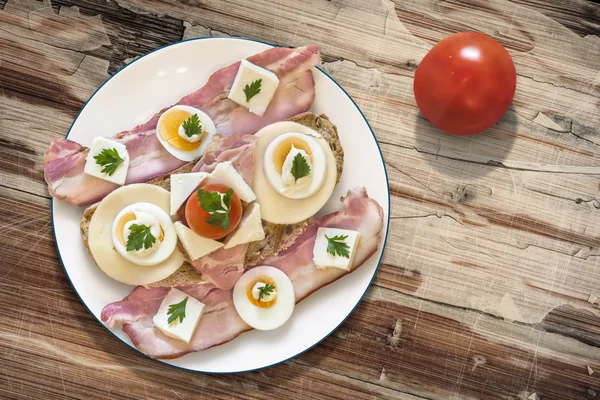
(300, 167)
(265, 291)
(337, 246)
(253, 89)
(139, 237)
(109, 159)
(211, 203)
(177, 311)
(192, 126)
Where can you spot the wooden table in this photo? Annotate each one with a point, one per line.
(487, 285)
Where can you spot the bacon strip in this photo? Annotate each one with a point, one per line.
(221, 323)
(65, 160)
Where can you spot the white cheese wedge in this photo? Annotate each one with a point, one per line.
(247, 77)
(225, 174)
(323, 259)
(94, 169)
(195, 245)
(250, 228)
(179, 329)
(182, 185)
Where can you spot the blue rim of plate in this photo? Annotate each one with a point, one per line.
(320, 340)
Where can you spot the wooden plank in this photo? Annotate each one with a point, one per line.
(441, 353)
(129, 33)
(493, 247)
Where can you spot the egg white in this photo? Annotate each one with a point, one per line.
(265, 318)
(208, 126)
(165, 248)
(317, 173)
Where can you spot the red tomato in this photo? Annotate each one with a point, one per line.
(196, 216)
(465, 83)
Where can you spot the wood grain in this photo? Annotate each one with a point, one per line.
(494, 241)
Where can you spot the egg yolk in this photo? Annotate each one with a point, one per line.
(121, 228)
(283, 149)
(168, 129)
(266, 280)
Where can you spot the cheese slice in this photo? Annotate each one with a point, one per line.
(323, 259)
(195, 245)
(179, 329)
(182, 185)
(250, 228)
(225, 174)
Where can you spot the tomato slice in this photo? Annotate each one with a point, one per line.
(196, 216)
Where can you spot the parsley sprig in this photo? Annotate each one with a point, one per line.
(139, 237)
(300, 167)
(177, 311)
(211, 203)
(192, 126)
(336, 246)
(253, 89)
(264, 291)
(109, 159)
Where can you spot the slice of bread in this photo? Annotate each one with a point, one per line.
(277, 237)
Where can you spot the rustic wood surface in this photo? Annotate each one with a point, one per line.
(494, 241)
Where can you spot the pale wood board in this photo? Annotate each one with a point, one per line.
(494, 239)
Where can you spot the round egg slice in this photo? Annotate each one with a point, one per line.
(275, 306)
(172, 135)
(279, 159)
(274, 206)
(159, 225)
(100, 236)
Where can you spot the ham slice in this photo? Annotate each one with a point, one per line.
(225, 266)
(238, 150)
(221, 323)
(65, 160)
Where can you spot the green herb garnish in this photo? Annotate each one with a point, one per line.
(177, 311)
(109, 159)
(192, 126)
(253, 89)
(337, 246)
(211, 203)
(139, 237)
(265, 291)
(300, 167)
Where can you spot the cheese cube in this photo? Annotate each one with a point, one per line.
(182, 185)
(185, 329)
(250, 228)
(94, 169)
(323, 259)
(247, 78)
(195, 245)
(226, 174)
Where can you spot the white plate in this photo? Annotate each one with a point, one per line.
(160, 79)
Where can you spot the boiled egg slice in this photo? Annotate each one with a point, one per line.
(295, 165)
(185, 131)
(264, 298)
(144, 222)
